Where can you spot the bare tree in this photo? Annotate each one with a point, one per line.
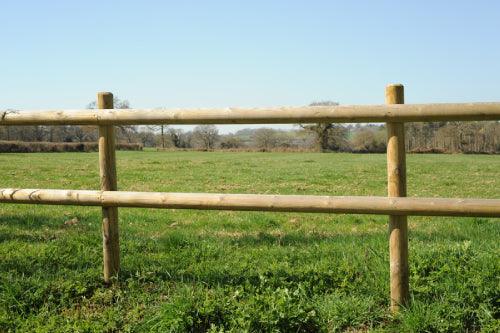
(148, 138)
(230, 141)
(206, 136)
(328, 136)
(162, 129)
(265, 138)
(127, 132)
(369, 139)
(178, 138)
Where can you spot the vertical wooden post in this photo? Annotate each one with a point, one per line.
(396, 187)
(107, 167)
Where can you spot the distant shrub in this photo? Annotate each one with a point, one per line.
(231, 142)
(429, 151)
(369, 140)
(129, 146)
(57, 147)
(245, 149)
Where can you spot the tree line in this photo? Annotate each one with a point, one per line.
(437, 137)
(449, 137)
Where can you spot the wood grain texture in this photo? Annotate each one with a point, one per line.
(107, 172)
(396, 187)
(257, 202)
(273, 115)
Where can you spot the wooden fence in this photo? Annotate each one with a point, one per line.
(395, 113)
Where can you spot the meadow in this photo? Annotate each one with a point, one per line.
(217, 271)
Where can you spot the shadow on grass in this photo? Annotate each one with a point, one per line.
(438, 236)
(34, 222)
(459, 231)
(295, 238)
(22, 237)
(150, 260)
(29, 229)
(40, 242)
(253, 258)
(31, 221)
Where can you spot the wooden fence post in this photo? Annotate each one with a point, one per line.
(396, 187)
(107, 168)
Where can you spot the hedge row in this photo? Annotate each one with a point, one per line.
(57, 147)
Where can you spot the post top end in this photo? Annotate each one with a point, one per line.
(394, 85)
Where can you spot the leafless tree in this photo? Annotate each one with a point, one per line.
(206, 136)
(230, 141)
(265, 138)
(328, 136)
(162, 129)
(125, 132)
(177, 137)
(369, 139)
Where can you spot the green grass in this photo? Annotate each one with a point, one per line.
(193, 271)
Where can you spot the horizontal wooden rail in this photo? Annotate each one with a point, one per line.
(279, 115)
(255, 202)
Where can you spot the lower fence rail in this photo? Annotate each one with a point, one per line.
(257, 202)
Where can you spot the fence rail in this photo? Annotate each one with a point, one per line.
(279, 115)
(258, 202)
(397, 206)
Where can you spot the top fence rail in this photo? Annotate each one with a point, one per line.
(278, 115)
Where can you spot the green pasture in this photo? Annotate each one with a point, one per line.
(218, 271)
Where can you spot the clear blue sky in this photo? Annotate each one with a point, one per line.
(58, 54)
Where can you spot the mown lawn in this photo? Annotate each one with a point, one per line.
(193, 271)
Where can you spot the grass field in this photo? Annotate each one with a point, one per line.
(193, 271)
